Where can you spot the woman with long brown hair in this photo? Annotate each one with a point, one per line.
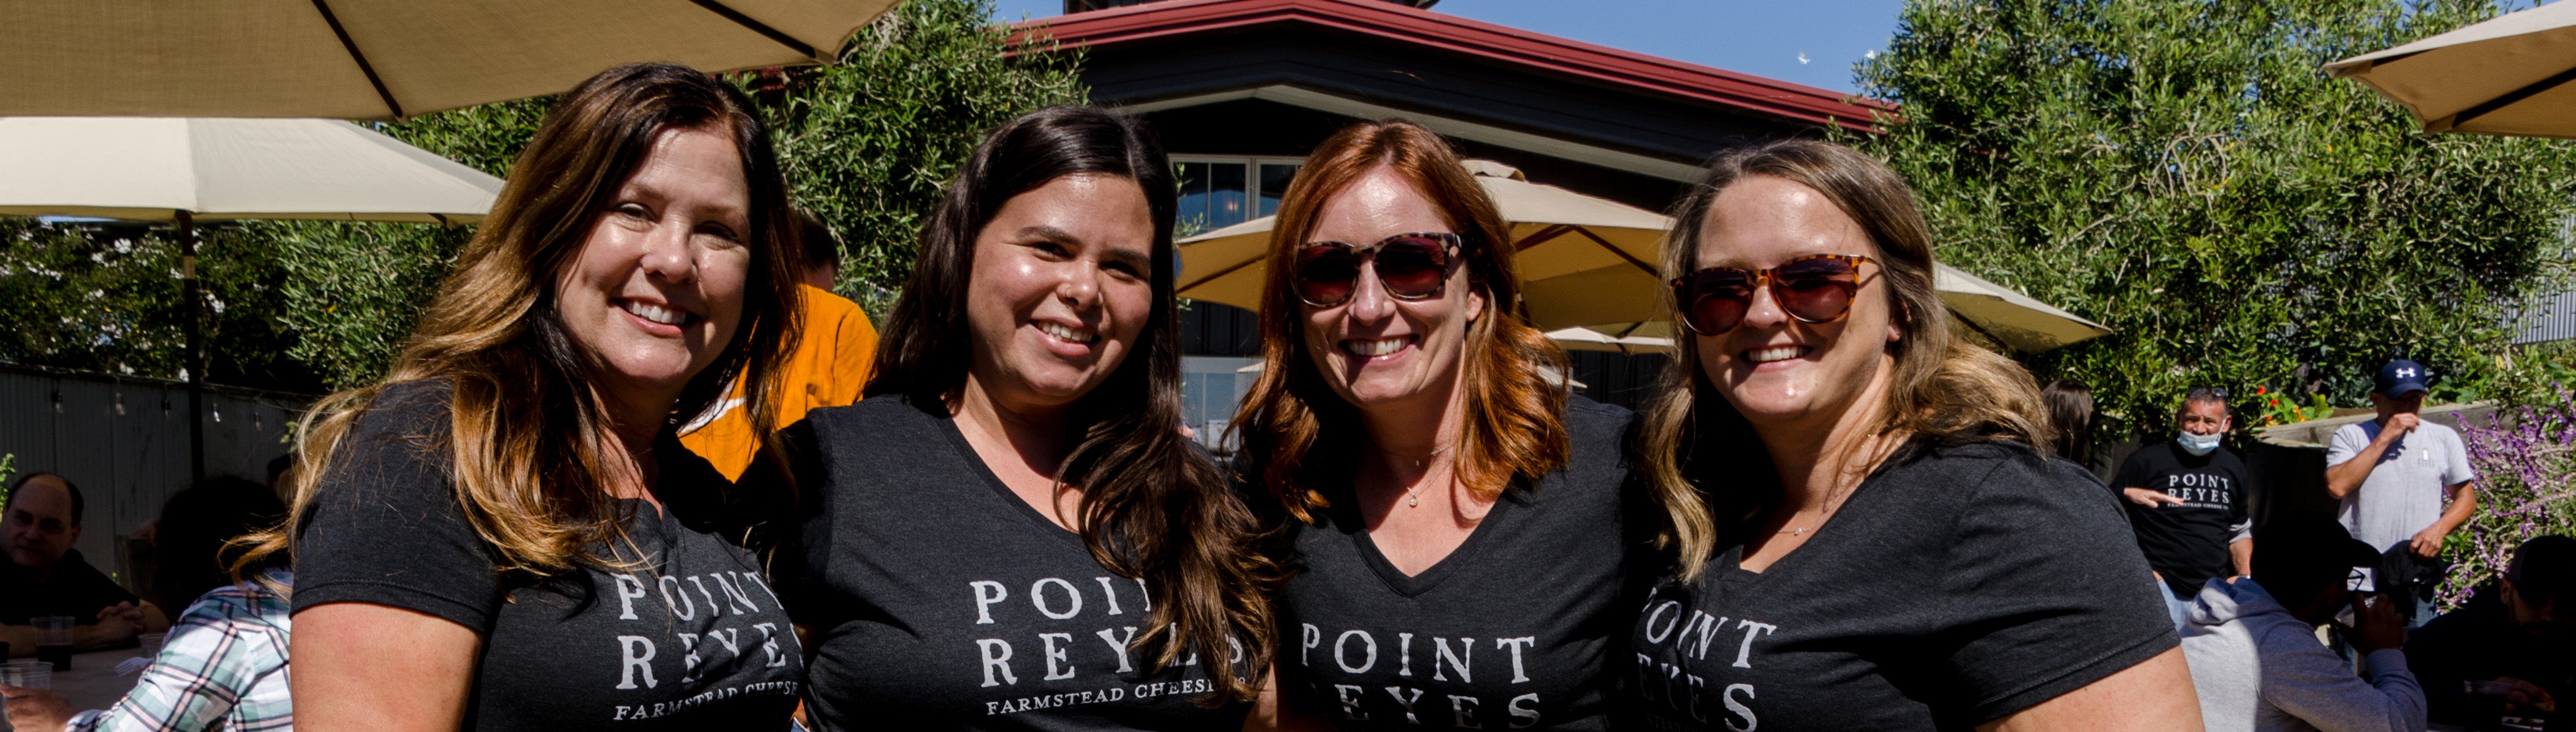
(1010, 531)
(1870, 533)
(1457, 524)
(505, 533)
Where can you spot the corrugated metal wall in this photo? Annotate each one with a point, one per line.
(2551, 318)
(124, 441)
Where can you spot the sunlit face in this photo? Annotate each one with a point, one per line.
(1060, 290)
(2411, 403)
(2203, 418)
(39, 527)
(1773, 368)
(657, 290)
(1376, 350)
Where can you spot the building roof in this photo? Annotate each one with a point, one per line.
(1533, 52)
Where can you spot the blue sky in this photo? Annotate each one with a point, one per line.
(1759, 37)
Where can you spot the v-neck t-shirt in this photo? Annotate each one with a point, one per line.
(676, 629)
(1957, 584)
(941, 600)
(1517, 628)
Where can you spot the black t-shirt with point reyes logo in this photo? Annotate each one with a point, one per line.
(1518, 628)
(683, 633)
(1956, 585)
(2187, 542)
(940, 600)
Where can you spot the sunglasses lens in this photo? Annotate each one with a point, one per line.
(1325, 274)
(1413, 267)
(1714, 301)
(1816, 290)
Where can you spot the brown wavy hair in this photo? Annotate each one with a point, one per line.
(524, 425)
(1153, 507)
(1945, 388)
(1298, 435)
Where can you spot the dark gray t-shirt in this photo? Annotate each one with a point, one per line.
(1517, 628)
(688, 637)
(940, 600)
(1954, 586)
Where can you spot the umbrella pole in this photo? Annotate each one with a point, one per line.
(195, 361)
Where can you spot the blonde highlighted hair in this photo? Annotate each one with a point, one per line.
(525, 426)
(1299, 434)
(1703, 459)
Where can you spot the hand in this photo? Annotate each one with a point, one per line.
(2399, 425)
(2375, 625)
(2148, 498)
(2528, 696)
(118, 622)
(2427, 543)
(36, 710)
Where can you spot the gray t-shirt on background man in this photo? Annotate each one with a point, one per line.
(2404, 491)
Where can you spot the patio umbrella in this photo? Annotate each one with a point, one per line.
(1587, 263)
(2506, 76)
(1587, 339)
(379, 59)
(182, 170)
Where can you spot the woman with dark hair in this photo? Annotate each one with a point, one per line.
(505, 533)
(2070, 420)
(1458, 532)
(1870, 535)
(1010, 532)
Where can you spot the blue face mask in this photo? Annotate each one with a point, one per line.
(2197, 444)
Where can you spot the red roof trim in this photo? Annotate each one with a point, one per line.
(1469, 37)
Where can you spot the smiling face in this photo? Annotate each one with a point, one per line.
(1060, 290)
(1774, 369)
(657, 290)
(2203, 417)
(1375, 350)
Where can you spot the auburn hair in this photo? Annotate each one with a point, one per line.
(1299, 436)
(525, 427)
(1153, 507)
(1709, 471)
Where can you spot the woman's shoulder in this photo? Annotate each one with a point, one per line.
(1985, 468)
(1594, 428)
(879, 410)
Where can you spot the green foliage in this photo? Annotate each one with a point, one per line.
(870, 141)
(2184, 172)
(105, 298)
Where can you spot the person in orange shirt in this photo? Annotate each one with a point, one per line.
(829, 367)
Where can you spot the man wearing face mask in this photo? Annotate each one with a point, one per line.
(2187, 502)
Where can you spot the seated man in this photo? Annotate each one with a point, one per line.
(2510, 631)
(46, 577)
(2253, 649)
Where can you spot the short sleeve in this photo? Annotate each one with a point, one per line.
(384, 526)
(2049, 592)
(2347, 442)
(2458, 471)
(2133, 471)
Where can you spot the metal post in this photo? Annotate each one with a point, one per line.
(195, 363)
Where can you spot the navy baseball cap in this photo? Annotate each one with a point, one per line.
(2401, 376)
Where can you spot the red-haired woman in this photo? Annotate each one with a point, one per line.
(1457, 517)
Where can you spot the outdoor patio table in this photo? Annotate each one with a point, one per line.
(93, 683)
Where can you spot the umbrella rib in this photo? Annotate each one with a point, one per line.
(360, 56)
(719, 8)
(1605, 244)
(1220, 273)
(2510, 98)
(1541, 236)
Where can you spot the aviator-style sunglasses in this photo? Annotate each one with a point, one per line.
(1410, 266)
(1816, 288)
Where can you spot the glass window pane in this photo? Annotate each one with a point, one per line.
(1274, 185)
(1226, 206)
(1192, 216)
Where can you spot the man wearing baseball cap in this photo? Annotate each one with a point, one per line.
(2252, 645)
(2393, 473)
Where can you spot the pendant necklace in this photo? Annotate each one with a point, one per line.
(1410, 499)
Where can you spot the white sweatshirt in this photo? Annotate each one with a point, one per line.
(2258, 668)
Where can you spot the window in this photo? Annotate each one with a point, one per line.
(1217, 192)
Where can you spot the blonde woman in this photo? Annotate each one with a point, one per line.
(506, 534)
(1869, 536)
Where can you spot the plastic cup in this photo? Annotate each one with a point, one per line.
(28, 674)
(152, 642)
(54, 640)
(2486, 704)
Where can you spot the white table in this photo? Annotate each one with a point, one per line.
(92, 683)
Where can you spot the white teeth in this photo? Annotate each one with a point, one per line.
(656, 314)
(1767, 355)
(1375, 348)
(1068, 334)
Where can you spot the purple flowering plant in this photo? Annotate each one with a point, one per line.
(2525, 459)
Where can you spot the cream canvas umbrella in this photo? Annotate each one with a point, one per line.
(182, 170)
(1997, 314)
(1587, 339)
(2506, 76)
(378, 59)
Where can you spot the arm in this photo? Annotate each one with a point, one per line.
(2307, 681)
(2345, 477)
(2156, 694)
(2464, 503)
(2242, 550)
(1273, 713)
(373, 667)
(221, 662)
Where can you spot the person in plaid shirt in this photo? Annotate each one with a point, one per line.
(222, 668)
